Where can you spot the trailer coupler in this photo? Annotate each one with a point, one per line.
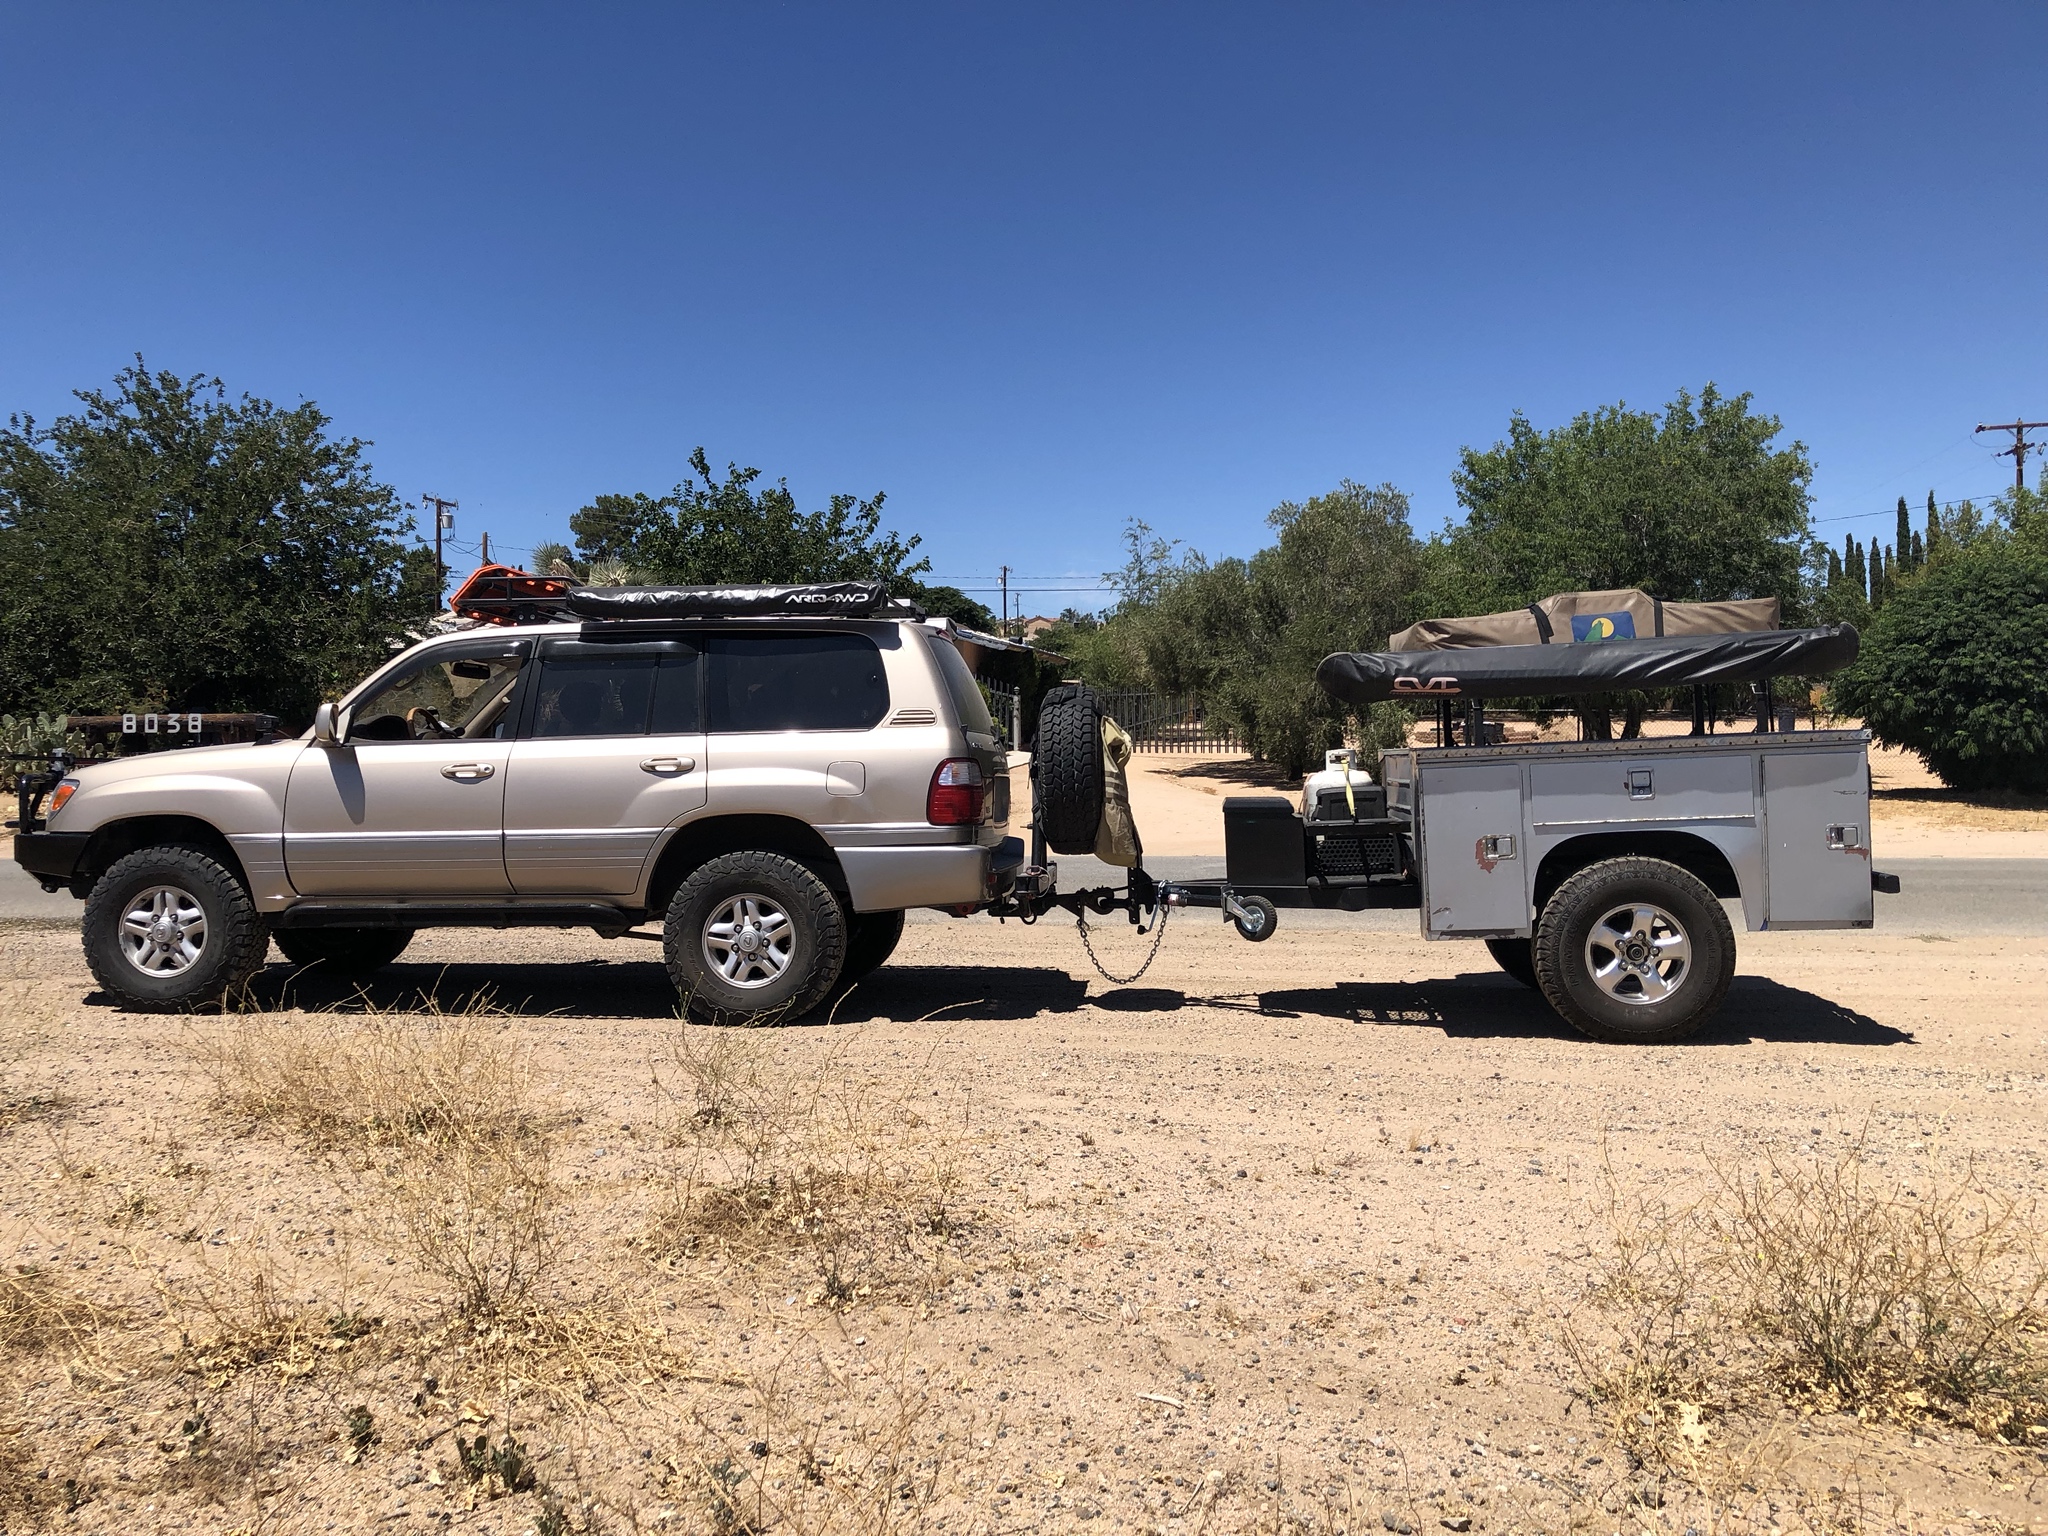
(1144, 901)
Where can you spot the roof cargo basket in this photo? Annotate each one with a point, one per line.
(500, 594)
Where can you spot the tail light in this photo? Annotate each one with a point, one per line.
(956, 794)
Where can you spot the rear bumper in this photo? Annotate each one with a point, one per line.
(892, 879)
(50, 855)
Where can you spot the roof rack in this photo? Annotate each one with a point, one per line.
(499, 594)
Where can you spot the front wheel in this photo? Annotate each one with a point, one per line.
(1635, 951)
(171, 928)
(343, 951)
(753, 938)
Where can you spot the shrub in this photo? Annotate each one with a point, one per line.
(1955, 668)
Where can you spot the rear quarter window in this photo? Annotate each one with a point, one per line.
(794, 682)
(968, 703)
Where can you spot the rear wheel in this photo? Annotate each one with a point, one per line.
(171, 928)
(1635, 951)
(1518, 958)
(871, 938)
(753, 938)
(343, 951)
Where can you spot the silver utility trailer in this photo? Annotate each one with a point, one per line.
(1593, 870)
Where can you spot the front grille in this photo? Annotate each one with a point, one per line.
(1356, 851)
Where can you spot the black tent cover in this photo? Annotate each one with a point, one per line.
(1516, 671)
(824, 600)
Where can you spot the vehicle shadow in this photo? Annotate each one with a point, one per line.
(613, 989)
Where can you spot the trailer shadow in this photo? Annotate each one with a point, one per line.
(614, 989)
(1487, 1005)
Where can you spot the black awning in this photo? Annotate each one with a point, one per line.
(1518, 671)
(824, 600)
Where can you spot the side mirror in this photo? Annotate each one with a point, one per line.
(323, 727)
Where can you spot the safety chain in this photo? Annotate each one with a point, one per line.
(1158, 935)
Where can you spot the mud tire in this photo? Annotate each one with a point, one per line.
(236, 936)
(1066, 769)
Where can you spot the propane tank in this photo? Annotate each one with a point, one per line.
(1340, 772)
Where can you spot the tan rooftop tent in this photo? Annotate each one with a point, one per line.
(1625, 613)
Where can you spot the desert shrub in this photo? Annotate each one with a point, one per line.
(811, 1164)
(1955, 668)
(1836, 1288)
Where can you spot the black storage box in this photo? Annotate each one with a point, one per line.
(1263, 843)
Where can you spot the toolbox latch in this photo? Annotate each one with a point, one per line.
(1640, 786)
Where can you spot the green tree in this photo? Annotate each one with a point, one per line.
(167, 546)
(1934, 531)
(1696, 502)
(1904, 542)
(709, 530)
(1955, 665)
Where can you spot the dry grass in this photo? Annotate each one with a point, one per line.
(440, 1116)
(1828, 1286)
(851, 1177)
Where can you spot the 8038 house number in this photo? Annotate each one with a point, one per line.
(168, 724)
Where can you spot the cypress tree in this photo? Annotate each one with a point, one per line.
(1919, 554)
(1933, 526)
(1877, 581)
(1902, 551)
(1834, 569)
(1852, 559)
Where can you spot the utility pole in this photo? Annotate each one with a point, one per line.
(444, 522)
(1004, 628)
(2018, 451)
(487, 549)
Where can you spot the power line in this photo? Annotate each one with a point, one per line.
(1843, 517)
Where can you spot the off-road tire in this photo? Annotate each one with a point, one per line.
(1066, 769)
(871, 938)
(235, 941)
(1518, 958)
(343, 951)
(818, 940)
(1567, 922)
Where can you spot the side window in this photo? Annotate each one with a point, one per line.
(460, 696)
(795, 682)
(584, 695)
(966, 693)
(678, 696)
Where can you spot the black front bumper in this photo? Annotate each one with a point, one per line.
(50, 855)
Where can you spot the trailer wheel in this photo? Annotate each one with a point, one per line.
(343, 951)
(1518, 958)
(1066, 769)
(1260, 918)
(1634, 951)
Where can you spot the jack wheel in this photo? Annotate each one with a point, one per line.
(1260, 918)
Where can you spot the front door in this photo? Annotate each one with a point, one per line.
(612, 755)
(411, 803)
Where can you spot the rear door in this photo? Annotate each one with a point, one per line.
(610, 756)
(1817, 823)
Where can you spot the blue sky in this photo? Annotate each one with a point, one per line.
(1035, 270)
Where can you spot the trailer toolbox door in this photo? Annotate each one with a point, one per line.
(1817, 819)
(1474, 864)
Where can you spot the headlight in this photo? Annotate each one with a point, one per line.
(65, 789)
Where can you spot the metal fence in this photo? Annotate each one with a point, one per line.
(1169, 722)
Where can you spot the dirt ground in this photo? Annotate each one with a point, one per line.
(1284, 1238)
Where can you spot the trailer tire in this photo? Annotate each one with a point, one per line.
(343, 951)
(171, 928)
(1518, 958)
(1634, 951)
(1066, 769)
(1260, 918)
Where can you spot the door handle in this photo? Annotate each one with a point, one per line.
(667, 765)
(467, 773)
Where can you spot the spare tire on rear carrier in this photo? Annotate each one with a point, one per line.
(1066, 768)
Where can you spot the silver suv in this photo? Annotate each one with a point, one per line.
(774, 791)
